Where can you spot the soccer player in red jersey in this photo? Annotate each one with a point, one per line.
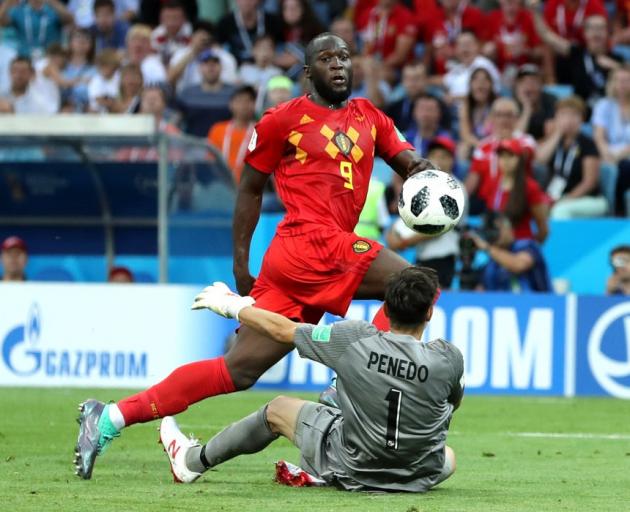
(321, 149)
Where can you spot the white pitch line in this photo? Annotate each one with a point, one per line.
(572, 435)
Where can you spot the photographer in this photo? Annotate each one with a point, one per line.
(515, 265)
(619, 281)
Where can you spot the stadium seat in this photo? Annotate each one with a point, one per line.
(560, 91)
(144, 277)
(607, 181)
(627, 199)
(587, 129)
(53, 274)
(623, 51)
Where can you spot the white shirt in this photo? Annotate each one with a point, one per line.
(438, 247)
(100, 87)
(457, 80)
(192, 75)
(255, 76)
(30, 103)
(45, 88)
(153, 71)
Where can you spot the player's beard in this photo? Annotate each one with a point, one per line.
(332, 96)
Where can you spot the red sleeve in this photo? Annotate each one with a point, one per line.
(474, 19)
(387, 139)
(550, 14)
(529, 29)
(266, 146)
(534, 195)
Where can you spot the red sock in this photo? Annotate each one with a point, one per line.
(380, 321)
(185, 386)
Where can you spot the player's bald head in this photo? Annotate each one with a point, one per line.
(323, 41)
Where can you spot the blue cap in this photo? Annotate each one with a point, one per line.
(207, 55)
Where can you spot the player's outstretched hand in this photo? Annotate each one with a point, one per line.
(221, 300)
(418, 165)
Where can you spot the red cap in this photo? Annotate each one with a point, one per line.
(512, 146)
(120, 271)
(13, 242)
(443, 142)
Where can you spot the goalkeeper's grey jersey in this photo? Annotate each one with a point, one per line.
(394, 394)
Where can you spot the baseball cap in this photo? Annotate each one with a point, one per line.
(528, 70)
(442, 141)
(279, 82)
(13, 242)
(207, 55)
(511, 146)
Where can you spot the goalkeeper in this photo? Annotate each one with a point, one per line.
(396, 397)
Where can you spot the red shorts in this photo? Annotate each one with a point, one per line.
(306, 275)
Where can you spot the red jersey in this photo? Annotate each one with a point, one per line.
(441, 32)
(322, 160)
(383, 29)
(568, 22)
(496, 198)
(623, 11)
(521, 34)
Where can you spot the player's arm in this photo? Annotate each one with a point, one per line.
(246, 215)
(223, 301)
(408, 162)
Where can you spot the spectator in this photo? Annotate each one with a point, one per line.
(589, 64)
(537, 106)
(231, 137)
(79, 70)
(258, 73)
(344, 28)
(514, 192)
(469, 58)
(474, 112)
(572, 162)
(174, 31)
(207, 103)
(149, 11)
(14, 258)
(390, 34)
(85, 11)
(108, 30)
(278, 90)
(37, 23)
(515, 265)
(612, 136)
(120, 275)
(567, 18)
(299, 25)
(48, 76)
(367, 81)
(103, 88)
(139, 52)
(439, 253)
(239, 29)
(153, 102)
(23, 98)
(427, 116)
(128, 99)
(514, 38)
(445, 23)
(619, 281)
(621, 24)
(184, 70)
(7, 54)
(414, 83)
(503, 121)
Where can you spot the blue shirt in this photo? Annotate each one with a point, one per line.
(78, 94)
(114, 40)
(201, 109)
(536, 279)
(35, 28)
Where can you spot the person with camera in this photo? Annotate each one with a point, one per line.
(514, 264)
(619, 281)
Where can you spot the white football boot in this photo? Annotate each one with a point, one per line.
(176, 445)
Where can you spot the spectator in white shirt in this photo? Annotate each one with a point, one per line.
(7, 54)
(139, 52)
(174, 31)
(258, 73)
(22, 97)
(184, 70)
(103, 88)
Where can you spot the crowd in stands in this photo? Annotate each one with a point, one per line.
(530, 100)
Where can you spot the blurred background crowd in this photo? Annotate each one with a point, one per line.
(526, 102)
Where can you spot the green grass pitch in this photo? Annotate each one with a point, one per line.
(506, 460)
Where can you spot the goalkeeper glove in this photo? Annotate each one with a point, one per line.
(221, 300)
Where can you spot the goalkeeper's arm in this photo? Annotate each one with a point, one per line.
(272, 325)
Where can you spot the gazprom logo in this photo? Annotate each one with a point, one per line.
(609, 350)
(25, 354)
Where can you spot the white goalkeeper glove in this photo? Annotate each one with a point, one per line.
(223, 301)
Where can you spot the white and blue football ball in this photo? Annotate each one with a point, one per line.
(431, 202)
